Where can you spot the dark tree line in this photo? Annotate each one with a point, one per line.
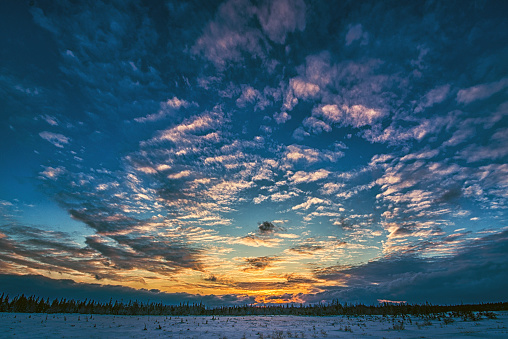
(35, 304)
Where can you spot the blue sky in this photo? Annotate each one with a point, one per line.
(261, 151)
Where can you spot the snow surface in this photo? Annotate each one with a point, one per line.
(25, 325)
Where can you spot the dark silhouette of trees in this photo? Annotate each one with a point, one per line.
(34, 304)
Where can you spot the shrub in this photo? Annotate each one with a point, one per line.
(488, 314)
(398, 326)
(447, 321)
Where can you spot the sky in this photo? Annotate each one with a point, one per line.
(255, 151)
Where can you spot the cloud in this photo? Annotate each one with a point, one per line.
(226, 192)
(253, 240)
(230, 34)
(475, 274)
(65, 288)
(251, 95)
(55, 138)
(186, 131)
(149, 170)
(266, 227)
(419, 193)
(166, 109)
(50, 119)
(302, 89)
(299, 89)
(330, 188)
(398, 135)
(283, 196)
(356, 32)
(47, 252)
(480, 92)
(434, 96)
(104, 223)
(281, 117)
(461, 135)
(316, 126)
(300, 134)
(307, 249)
(356, 115)
(53, 172)
(264, 173)
(105, 66)
(309, 202)
(259, 199)
(266, 230)
(122, 240)
(111, 258)
(278, 18)
(164, 196)
(233, 31)
(496, 149)
(163, 255)
(180, 175)
(259, 263)
(307, 177)
(304, 154)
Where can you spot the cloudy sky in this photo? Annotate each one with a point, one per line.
(256, 151)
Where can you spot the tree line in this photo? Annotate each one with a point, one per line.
(33, 304)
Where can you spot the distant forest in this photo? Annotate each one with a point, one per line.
(35, 304)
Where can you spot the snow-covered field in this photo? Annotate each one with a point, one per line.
(25, 325)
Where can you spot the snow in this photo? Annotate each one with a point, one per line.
(25, 325)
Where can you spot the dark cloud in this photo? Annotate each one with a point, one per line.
(149, 253)
(286, 281)
(102, 257)
(297, 279)
(345, 224)
(51, 251)
(475, 274)
(259, 263)
(450, 195)
(175, 254)
(266, 227)
(104, 223)
(403, 231)
(65, 288)
(292, 281)
(286, 297)
(211, 278)
(306, 248)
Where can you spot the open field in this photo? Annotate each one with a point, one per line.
(25, 325)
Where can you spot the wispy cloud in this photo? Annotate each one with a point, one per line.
(50, 119)
(258, 241)
(433, 97)
(482, 91)
(59, 140)
(166, 109)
